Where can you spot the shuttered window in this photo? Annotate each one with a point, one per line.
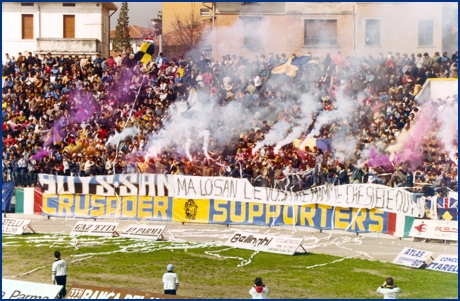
(320, 32)
(27, 27)
(69, 27)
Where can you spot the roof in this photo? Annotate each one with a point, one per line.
(136, 32)
(110, 5)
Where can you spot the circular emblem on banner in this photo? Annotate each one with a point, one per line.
(191, 209)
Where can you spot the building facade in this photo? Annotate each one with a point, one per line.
(365, 28)
(56, 27)
(184, 11)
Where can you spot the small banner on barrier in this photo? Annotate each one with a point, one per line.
(95, 228)
(264, 243)
(412, 257)
(444, 263)
(435, 229)
(16, 226)
(7, 195)
(80, 291)
(143, 231)
(15, 289)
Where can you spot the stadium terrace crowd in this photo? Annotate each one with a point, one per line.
(59, 112)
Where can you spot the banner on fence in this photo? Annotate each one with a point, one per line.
(95, 228)
(143, 231)
(367, 196)
(15, 289)
(444, 263)
(412, 257)
(435, 229)
(224, 212)
(15, 225)
(7, 195)
(264, 243)
(80, 291)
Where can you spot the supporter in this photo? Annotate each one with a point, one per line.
(44, 109)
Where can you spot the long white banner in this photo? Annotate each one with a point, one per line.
(15, 289)
(264, 243)
(435, 229)
(444, 263)
(368, 196)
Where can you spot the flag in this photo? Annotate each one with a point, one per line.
(287, 68)
(447, 208)
(145, 51)
(299, 61)
(7, 195)
(292, 65)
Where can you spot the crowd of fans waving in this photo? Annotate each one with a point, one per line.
(60, 111)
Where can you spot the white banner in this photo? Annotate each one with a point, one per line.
(412, 257)
(445, 263)
(264, 243)
(14, 225)
(435, 229)
(15, 289)
(143, 231)
(368, 196)
(94, 228)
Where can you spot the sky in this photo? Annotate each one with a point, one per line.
(139, 13)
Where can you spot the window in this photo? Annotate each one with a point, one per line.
(69, 27)
(204, 12)
(320, 32)
(27, 4)
(425, 33)
(27, 27)
(68, 4)
(372, 32)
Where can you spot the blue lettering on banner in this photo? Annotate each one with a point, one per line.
(315, 216)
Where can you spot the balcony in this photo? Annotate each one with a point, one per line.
(69, 46)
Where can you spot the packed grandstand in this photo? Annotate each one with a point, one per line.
(334, 121)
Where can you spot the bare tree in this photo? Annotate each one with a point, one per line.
(188, 30)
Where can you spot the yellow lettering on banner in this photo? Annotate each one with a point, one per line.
(78, 200)
(271, 214)
(98, 206)
(237, 218)
(113, 206)
(289, 220)
(339, 217)
(65, 202)
(47, 198)
(129, 211)
(255, 213)
(307, 213)
(145, 207)
(219, 207)
(359, 220)
(160, 205)
(375, 227)
(324, 209)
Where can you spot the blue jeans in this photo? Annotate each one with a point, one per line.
(315, 174)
